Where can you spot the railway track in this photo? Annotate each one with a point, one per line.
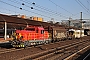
(9, 50)
(54, 50)
(86, 57)
(59, 50)
(5, 50)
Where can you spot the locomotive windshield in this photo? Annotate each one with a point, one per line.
(30, 29)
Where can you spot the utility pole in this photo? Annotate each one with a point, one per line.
(81, 27)
(81, 21)
(69, 21)
(5, 30)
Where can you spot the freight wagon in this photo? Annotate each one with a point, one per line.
(57, 33)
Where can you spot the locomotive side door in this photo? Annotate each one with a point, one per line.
(40, 33)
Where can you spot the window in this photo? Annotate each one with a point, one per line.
(30, 29)
(42, 31)
(37, 31)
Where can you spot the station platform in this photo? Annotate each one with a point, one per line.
(2, 40)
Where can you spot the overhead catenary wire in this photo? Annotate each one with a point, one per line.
(34, 12)
(23, 9)
(88, 1)
(36, 5)
(33, 8)
(70, 12)
(9, 10)
(28, 6)
(37, 9)
(82, 5)
(60, 7)
(88, 5)
(75, 15)
(45, 9)
(5, 12)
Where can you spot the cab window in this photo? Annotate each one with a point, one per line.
(42, 31)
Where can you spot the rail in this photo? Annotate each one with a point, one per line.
(51, 52)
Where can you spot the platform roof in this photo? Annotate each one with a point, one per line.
(15, 22)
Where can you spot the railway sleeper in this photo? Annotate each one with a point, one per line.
(54, 51)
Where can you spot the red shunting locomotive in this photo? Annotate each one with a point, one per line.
(32, 35)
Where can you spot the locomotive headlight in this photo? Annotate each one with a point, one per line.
(13, 42)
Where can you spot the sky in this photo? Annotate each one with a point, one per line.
(49, 10)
